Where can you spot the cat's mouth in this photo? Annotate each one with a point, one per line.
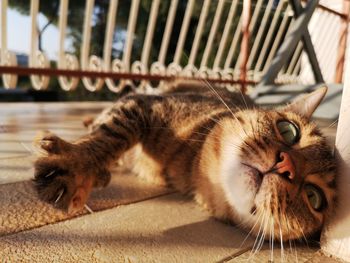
(256, 174)
(254, 169)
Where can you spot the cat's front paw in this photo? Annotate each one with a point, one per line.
(66, 174)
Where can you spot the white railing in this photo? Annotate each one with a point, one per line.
(220, 56)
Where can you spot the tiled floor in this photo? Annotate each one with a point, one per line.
(132, 220)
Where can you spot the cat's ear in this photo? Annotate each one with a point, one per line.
(307, 104)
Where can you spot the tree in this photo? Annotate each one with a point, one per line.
(51, 10)
(76, 15)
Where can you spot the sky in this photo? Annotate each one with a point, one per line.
(18, 34)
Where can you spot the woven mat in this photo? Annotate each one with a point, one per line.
(22, 210)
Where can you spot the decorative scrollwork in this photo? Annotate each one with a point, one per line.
(203, 72)
(230, 74)
(189, 71)
(40, 60)
(69, 62)
(139, 68)
(118, 66)
(174, 69)
(9, 59)
(215, 73)
(95, 64)
(158, 68)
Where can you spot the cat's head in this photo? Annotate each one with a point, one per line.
(278, 172)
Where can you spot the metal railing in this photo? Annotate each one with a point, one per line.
(205, 48)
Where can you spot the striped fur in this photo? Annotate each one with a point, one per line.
(201, 142)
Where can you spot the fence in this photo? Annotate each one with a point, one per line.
(194, 39)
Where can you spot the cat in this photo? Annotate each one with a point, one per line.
(266, 170)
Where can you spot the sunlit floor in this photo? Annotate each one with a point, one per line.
(130, 221)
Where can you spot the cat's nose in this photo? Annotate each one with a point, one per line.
(285, 166)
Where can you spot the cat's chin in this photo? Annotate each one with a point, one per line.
(241, 183)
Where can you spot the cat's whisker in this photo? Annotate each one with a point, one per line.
(236, 146)
(14, 157)
(263, 234)
(224, 103)
(38, 150)
(253, 251)
(271, 240)
(261, 239)
(289, 240)
(300, 228)
(29, 150)
(88, 209)
(251, 229)
(200, 133)
(295, 250)
(266, 227)
(239, 147)
(170, 129)
(242, 129)
(333, 123)
(242, 139)
(244, 101)
(216, 121)
(220, 124)
(194, 140)
(281, 240)
(194, 132)
(212, 89)
(207, 84)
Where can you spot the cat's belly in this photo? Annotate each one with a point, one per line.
(143, 165)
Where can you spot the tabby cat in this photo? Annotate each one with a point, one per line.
(269, 170)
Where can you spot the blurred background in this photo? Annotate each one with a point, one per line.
(273, 19)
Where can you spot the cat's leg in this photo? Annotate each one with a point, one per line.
(66, 175)
(92, 122)
(67, 172)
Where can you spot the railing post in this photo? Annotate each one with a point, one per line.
(65, 61)
(225, 34)
(89, 62)
(245, 42)
(175, 68)
(211, 37)
(7, 58)
(37, 58)
(342, 42)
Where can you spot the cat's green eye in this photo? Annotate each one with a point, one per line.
(315, 196)
(289, 132)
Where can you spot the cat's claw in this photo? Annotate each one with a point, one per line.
(51, 143)
(65, 176)
(58, 183)
(61, 192)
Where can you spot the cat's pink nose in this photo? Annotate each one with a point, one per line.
(285, 166)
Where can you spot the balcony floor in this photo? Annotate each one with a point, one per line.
(132, 221)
